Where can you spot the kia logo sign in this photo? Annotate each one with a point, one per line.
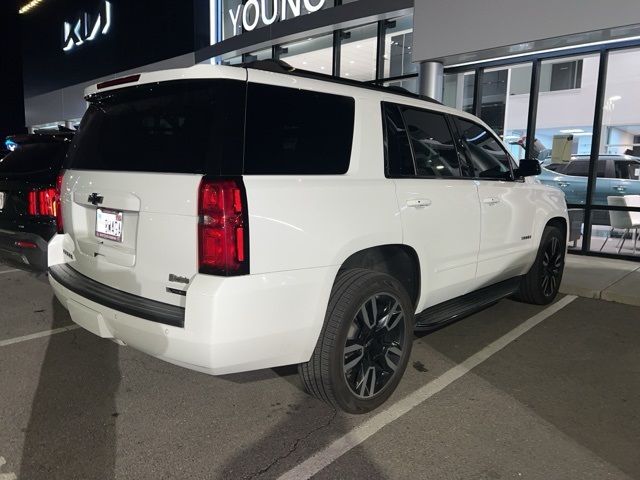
(250, 14)
(86, 27)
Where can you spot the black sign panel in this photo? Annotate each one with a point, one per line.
(66, 42)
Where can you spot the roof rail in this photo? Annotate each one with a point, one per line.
(279, 66)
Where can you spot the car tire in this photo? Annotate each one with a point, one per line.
(540, 286)
(365, 342)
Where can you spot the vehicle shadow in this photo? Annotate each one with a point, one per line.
(71, 430)
(303, 429)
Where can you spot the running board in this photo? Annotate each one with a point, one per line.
(457, 308)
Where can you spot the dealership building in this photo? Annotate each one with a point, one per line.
(530, 70)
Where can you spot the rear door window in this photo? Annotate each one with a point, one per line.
(433, 147)
(187, 126)
(297, 132)
(580, 168)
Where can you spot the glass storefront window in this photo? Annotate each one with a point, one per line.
(264, 54)
(458, 90)
(615, 232)
(232, 60)
(564, 128)
(398, 43)
(620, 141)
(314, 54)
(358, 49)
(410, 84)
(505, 104)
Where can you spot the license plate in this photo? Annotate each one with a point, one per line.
(1, 200)
(109, 224)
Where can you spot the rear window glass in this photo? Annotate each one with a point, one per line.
(292, 132)
(34, 157)
(179, 127)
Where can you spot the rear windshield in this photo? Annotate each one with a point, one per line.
(34, 157)
(193, 126)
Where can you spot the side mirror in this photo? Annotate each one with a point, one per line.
(528, 168)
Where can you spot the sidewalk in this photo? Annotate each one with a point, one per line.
(602, 278)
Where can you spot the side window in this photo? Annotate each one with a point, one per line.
(297, 132)
(580, 168)
(577, 168)
(396, 143)
(433, 146)
(487, 156)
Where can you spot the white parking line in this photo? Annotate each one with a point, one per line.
(6, 476)
(46, 333)
(11, 271)
(359, 434)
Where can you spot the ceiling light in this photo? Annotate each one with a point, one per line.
(346, 74)
(572, 130)
(352, 62)
(358, 46)
(615, 98)
(304, 63)
(29, 6)
(321, 68)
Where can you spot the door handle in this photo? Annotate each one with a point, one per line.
(620, 188)
(491, 201)
(563, 184)
(419, 202)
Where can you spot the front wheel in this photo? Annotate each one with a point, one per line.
(365, 342)
(540, 286)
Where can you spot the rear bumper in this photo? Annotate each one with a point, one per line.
(34, 258)
(230, 324)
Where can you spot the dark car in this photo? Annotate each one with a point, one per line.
(29, 197)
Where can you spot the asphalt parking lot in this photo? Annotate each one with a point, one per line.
(560, 400)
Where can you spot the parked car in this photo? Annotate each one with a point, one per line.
(228, 219)
(609, 166)
(617, 175)
(29, 206)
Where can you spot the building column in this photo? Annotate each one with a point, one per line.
(431, 79)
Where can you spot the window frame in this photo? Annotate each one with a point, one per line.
(452, 130)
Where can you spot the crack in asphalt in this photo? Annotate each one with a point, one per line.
(293, 448)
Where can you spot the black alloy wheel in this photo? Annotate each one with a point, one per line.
(373, 348)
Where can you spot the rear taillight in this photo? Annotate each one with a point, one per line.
(45, 202)
(223, 227)
(58, 202)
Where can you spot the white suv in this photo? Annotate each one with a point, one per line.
(227, 219)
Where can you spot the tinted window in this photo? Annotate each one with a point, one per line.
(629, 169)
(434, 151)
(486, 155)
(397, 149)
(297, 132)
(580, 168)
(181, 126)
(34, 157)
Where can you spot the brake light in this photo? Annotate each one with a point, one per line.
(45, 202)
(58, 202)
(223, 227)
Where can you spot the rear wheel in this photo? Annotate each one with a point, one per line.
(540, 286)
(365, 343)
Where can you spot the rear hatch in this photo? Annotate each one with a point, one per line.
(133, 175)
